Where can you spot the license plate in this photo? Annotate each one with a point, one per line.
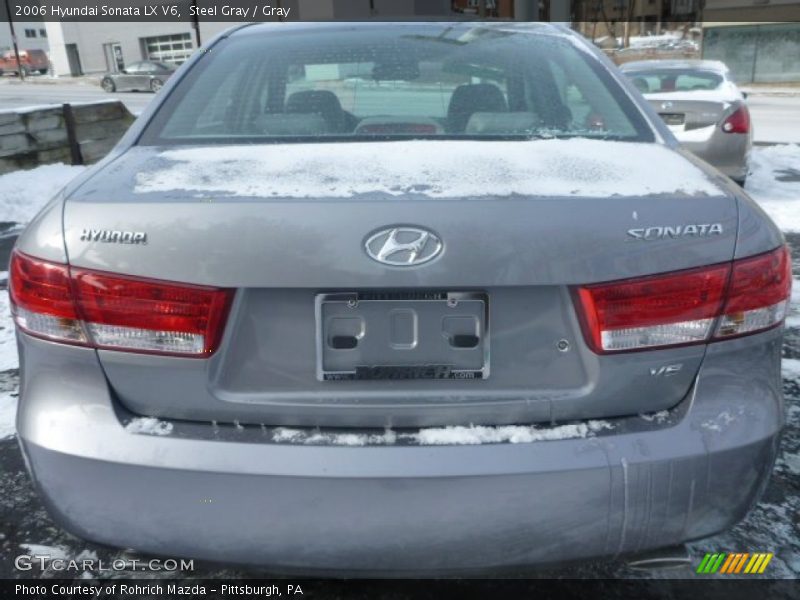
(402, 335)
(673, 118)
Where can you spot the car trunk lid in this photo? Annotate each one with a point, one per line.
(323, 334)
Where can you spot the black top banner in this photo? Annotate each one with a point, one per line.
(619, 11)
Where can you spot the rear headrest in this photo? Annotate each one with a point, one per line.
(641, 84)
(471, 98)
(320, 102)
(501, 123)
(283, 124)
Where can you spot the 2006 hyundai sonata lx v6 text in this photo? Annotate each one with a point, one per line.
(399, 296)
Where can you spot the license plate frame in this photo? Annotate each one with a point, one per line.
(402, 335)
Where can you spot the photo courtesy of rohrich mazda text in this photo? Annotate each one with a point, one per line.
(399, 298)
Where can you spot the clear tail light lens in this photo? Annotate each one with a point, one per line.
(686, 307)
(116, 312)
(738, 122)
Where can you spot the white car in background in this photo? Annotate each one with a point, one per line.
(702, 106)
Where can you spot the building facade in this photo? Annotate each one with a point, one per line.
(78, 48)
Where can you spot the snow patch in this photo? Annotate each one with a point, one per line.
(793, 313)
(440, 436)
(575, 167)
(284, 434)
(780, 199)
(790, 368)
(24, 193)
(8, 341)
(8, 414)
(791, 461)
(51, 552)
(721, 421)
(149, 425)
(659, 417)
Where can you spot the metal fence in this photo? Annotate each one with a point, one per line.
(767, 53)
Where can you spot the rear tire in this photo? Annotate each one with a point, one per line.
(43, 71)
(108, 85)
(155, 85)
(740, 181)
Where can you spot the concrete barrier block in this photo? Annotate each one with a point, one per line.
(48, 137)
(107, 111)
(94, 150)
(15, 143)
(12, 127)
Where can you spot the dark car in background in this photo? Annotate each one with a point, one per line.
(703, 108)
(141, 76)
(30, 61)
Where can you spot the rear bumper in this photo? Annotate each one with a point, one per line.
(727, 152)
(236, 496)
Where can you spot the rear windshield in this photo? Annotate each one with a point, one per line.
(674, 80)
(395, 81)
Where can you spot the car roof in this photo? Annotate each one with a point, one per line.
(295, 26)
(706, 65)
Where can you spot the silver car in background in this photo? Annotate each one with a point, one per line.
(383, 297)
(143, 76)
(703, 108)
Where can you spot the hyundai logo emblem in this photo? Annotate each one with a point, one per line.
(403, 246)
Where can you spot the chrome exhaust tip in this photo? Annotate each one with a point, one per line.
(672, 557)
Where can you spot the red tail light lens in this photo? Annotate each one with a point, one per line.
(687, 307)
(758, 295)
(41, 300)
(116, 312)
(738, 122)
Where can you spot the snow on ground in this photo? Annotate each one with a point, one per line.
(774, 182)
(23, 193)
(8, 342)
(8, 414)
(8, 361)
(51, 552)
(551, 167)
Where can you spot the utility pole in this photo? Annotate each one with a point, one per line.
(14, 41)
(195, 24)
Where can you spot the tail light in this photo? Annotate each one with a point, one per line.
(102, 310)
(687, 307)
(738, 122)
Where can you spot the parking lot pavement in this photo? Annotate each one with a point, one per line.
(776, 118)
(15, 94)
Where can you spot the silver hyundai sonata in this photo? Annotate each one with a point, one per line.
(398, 296)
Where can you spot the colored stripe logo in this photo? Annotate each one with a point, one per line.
(734, 562)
